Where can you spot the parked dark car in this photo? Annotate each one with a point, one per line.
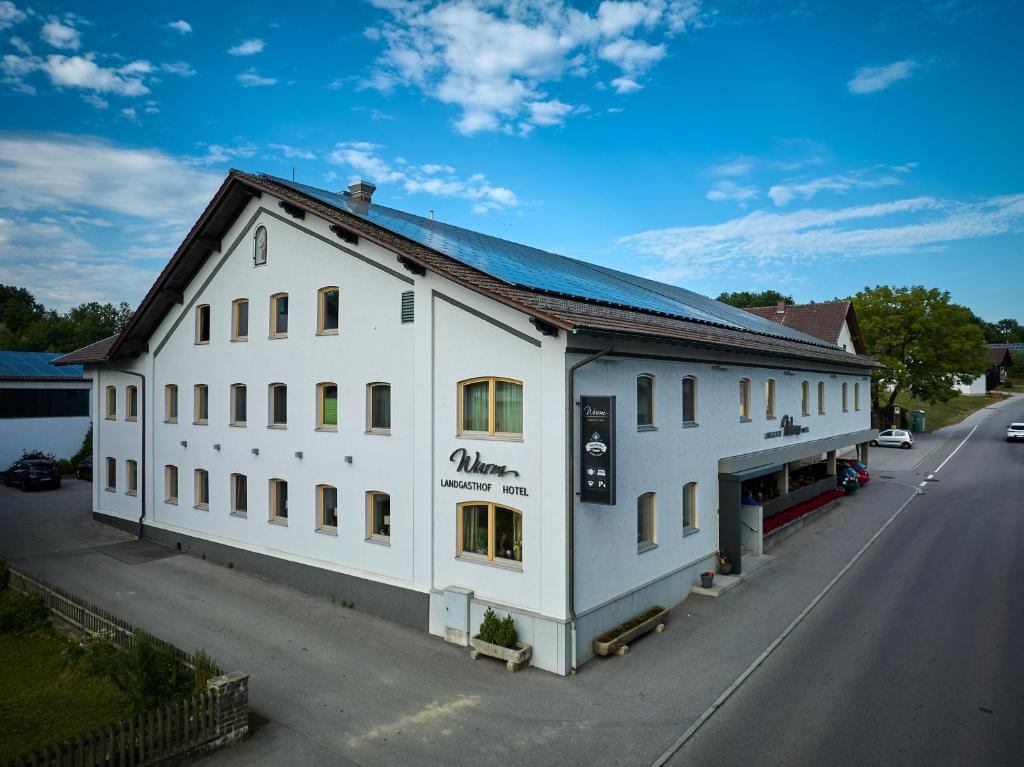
(33, 472)
(863, 475)
(84, 470)
(846, 478)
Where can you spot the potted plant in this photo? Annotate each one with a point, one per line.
(498, 639)
(707, 578)
(724, 565)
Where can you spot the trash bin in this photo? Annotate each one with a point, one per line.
(917, 421)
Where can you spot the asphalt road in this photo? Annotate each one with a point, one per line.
(916, 657)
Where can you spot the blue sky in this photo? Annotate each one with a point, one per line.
(814, 148)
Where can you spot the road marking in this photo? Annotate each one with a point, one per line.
(922, 484)
(721, 699)
(957, 448)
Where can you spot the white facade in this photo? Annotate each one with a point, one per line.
(457, 334)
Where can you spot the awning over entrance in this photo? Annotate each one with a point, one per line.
(777, 456)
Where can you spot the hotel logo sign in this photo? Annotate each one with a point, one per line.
(597, 458)
(789, 429)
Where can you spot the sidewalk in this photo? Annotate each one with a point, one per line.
(341, 687)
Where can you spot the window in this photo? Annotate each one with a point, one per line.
(111, 402)
(131, 477)
(645, 400)
(111, 474)
(491, 407)
(744, 399)
(490, 532)
(44, 403)
(239, 404)
(259, 246)
(201, 395)
(769, 398)
(856, 396)
(240, 319)
(689, 400)
(279, 501)
(203, 324)
(131, 403)
(821, 398)
(202, 489)
(378, 516)
(239, 495)
(327, 406)
(805, 398)
(171, 484)
(327, 311)
(689, 506)
(279, 315)
(645, 521)
(278, 404)
(171, 403)
(378, 408)
(327, 507)
(846, 406)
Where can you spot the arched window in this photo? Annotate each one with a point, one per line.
(203, 324)
(239, 404)
(821, 398)
(131, 403)
(645, 521)
(240, 319)
(805, 397)
(202, 489)
(327, 406)
(279, 315)
(690, 400)
(278, 404)
(744, 399)
(846, 406)
(689, 507)
(378, 408)
(259, 246)
(489, 532)
(239, 495)
(111, 402)
(769, 398)
(327, 508)
(279, 501)
(171, 403)
(856, 396)
(644, 400)
(201, 403)
(491, 407)
(327, 310)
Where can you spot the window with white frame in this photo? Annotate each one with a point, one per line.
(327, 507)
(278, 402)
(201, 404)
(171, 403)
(279, 315)
(239, 495)
(327, 406)
(327, 310)
(202, 489)
(644, 400)
(279, 501)
(378, 516)
(171, 483)
(744, 399)
(690, 400)
(645, 521)
(378, 408)
(491, 407)
(490, 532)
(689, 506)
(239, 404)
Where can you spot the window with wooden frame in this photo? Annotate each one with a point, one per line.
(690, 400)
(259, 246)
(239, 404)
(821, 398)
(805, 397)
(279, 501)
(327, 508)
(378, 516)
(131, 403)
(111, 403)
(327, 310)
(171, 403)
(278, 403)
(239, 495)
(846, 401)
(689, 507)
(490, 407)
(378, 408)
(856, 396)
(744, 399)
(170, 483)
(201, 404)
(327, 406)
(489, 532)
(279, 315)
(769, 398)
(240, 319)
(645, 521)
(203, 324)
(644, 400)
(111, 473)
(131, 477)
(202, 489)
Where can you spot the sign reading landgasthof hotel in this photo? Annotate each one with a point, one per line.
(789, 429)
(597, 450)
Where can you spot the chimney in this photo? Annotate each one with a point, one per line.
(780, 307)
(362, 190)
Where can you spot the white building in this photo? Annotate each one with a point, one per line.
(385, 409)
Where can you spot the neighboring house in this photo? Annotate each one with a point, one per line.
(832, 321)
(41, 407)
(401, 413)
(999, 359)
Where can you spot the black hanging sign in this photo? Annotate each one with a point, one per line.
(597, 450)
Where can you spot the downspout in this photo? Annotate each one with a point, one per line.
(570, 493)
(142, 418)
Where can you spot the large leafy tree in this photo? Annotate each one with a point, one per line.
(744, 299)
(26, 325)
(927, 344)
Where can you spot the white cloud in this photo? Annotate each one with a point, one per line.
(251, 79)
(83, 72)
(180, 68)
(873, 79)
(730, 190)
(247, 47)
(10, 14)
(432, 168)
(129, 112)
(218, 153)
(181, 25)
(872, 178)
(293, 152)
(60, 35)
(764, 239)
(625, 85)
(21, 46)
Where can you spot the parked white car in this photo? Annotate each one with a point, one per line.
(1015, 431)
(894, 438)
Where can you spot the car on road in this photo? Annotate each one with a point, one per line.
(863, 475)
(84, 469)
(846, 478)
(894, 438)
(1014, 431)
(33, 472)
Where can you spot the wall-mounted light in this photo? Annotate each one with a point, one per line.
(788, 373)
(833, 376)
(184, 443)
(216, 447)
(717, 367)
(298, 454)
(348, 459)
(255, 451)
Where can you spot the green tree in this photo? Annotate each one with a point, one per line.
(744, 299)
(927, 344)
(27, 325)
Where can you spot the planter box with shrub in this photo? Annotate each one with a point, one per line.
(617, 640)
(498, 639)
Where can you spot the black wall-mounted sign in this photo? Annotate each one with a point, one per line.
(597, 450)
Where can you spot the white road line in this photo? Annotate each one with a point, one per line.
(956, 448)
(777, 641)
(922, 484)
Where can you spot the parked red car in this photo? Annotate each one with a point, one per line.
(863, 475)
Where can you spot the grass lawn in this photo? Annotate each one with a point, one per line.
(946, 413)
(42, 700)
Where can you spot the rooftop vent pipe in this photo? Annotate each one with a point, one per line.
(780, 307)
(362, 190)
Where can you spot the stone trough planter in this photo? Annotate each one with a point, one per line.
(617, 640)
(515, 657)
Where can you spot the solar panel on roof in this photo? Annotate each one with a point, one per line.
(34, 365)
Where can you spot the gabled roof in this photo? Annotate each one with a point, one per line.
(555, 291)
(94, 352)
(999, 355)
(35, 366)
(824, 320)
